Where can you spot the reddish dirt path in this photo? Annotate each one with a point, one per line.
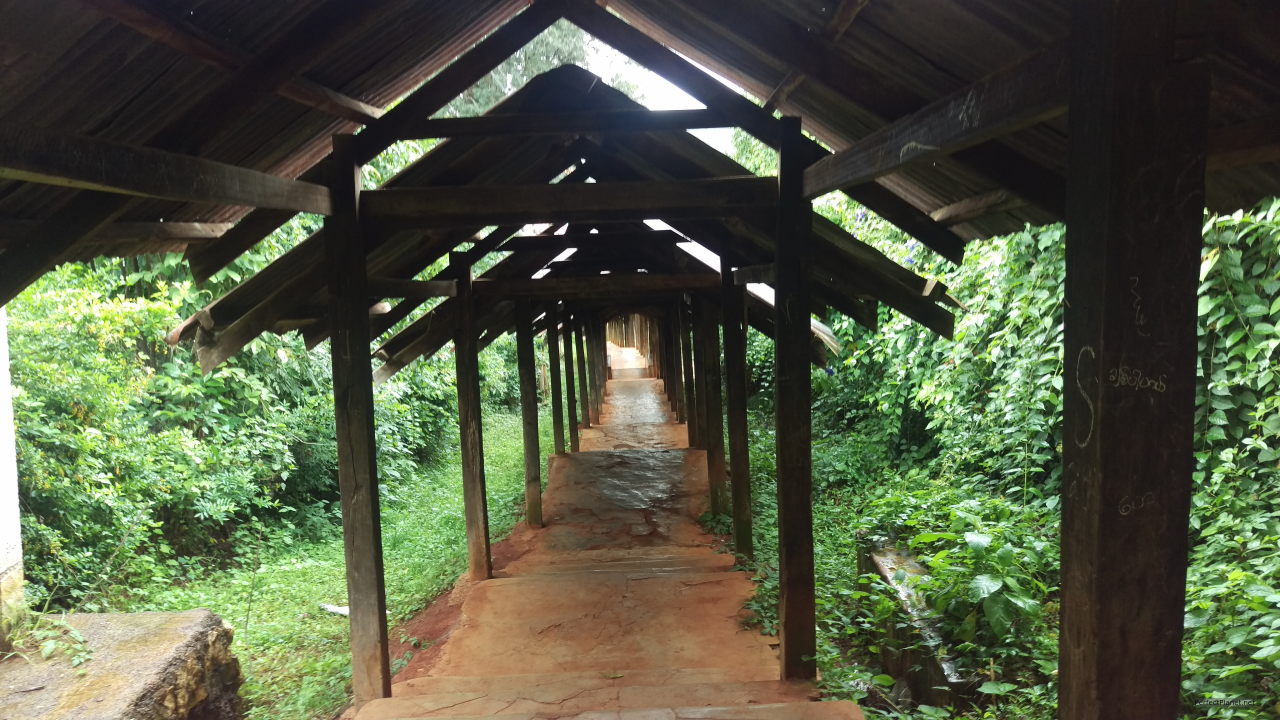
(619, 607)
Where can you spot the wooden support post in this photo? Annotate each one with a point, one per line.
(357, 446)
(466, 351)
(529, 416)
(1135, 208)
(553, 367)
(571, 394)
(584, 379)
(690, 381)
(793, 433)
(709, 337)
(700, 361)
(600, 366)
(734, 306)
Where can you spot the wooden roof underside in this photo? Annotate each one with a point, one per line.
(862, 74)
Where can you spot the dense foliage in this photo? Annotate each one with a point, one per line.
(952, 450)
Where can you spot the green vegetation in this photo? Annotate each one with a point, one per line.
(952, 450)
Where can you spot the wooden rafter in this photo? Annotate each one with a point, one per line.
(563, 242)
(76, 161)
(1023, 95)
(842, 18)
(206, 47)
(492, 204)
(600, 286)
(567, 123)
(977, 206)
(11, 230)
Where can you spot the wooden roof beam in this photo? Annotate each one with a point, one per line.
(11, 230)
(750, 117)
(587, 202)
(194, 42)
(600, 286)
(567, 123)
(975, 207)
(1249, 143)
(1030, 92)
(76, 161)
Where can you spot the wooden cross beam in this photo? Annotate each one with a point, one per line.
(972, 208)
(42, 156)
(567, 123)
(1030, 92)
(11, 230)
(492, 204)
(413, 289)
(599, 286)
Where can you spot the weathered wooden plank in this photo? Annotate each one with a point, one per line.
(415, 289)
(35, 155)
(1030, 92)
(590, 202)
(567, 123)
(598, 285)
(529, 416)
(734, 309)
(553, 368)
(357, 444)
(842, 18)
(976, 207)
(190, 40)
(793, 430)
(707, 336)
(466, 353)
(1136, 202)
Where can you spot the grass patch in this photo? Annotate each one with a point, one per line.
(295, 656)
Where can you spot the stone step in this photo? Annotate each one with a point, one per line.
(562, 696)
(840, 710)
(690, 563)
(585, 621)
(498, 684)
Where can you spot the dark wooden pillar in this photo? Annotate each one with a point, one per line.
(570, 392)
(706, 314)
(676, 375)
(733, 305)
(1134, 215)
(584, 380)
(594, 335)
(466, 358)
(793, 433)
(553, 369)
(357, 446)
(529, 415)
(690, 381)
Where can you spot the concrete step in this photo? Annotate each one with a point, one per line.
(584, 621)
(553, 697)
(498, 684)
(841, 710)
(688, 563)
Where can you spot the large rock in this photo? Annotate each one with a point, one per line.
(145, 666)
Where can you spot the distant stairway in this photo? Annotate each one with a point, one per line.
(621, 609)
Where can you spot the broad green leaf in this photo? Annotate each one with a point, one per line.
(982, 586)
(996, 688)
(977, 540)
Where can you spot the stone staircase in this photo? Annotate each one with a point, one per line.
(620, 609)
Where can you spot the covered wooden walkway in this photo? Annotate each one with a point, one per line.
(620, 606)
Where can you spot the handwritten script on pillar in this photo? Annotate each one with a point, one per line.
(1125, 376)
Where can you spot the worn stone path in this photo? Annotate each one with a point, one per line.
(621, 607)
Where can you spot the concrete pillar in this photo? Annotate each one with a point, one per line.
(10, 530)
